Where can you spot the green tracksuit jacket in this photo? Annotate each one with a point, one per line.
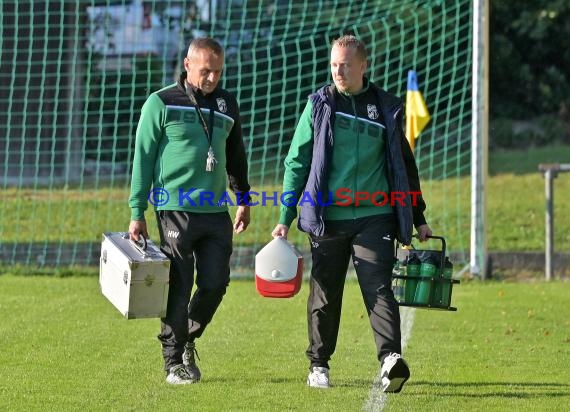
(171, 149)
(357, 168)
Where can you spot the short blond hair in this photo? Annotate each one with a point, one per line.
(349, 40)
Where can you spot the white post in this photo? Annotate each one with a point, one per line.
(479, 137)
(550, 172)
(549, 247)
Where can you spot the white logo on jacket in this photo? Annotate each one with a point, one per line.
(222, 106)
(372, 111)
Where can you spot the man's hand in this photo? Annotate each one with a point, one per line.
(242, 219)
(136, 228)
(423, 232)
(280, 231)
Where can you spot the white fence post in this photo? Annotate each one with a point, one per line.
(550, 171)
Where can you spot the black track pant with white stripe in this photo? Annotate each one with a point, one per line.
(203, 241)
(369, 241)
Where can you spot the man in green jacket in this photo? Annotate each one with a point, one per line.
(352, 172)
(188, 144)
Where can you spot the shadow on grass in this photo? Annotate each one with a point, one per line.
(511, 389)
(488, 389)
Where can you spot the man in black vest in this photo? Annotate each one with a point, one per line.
(352, 171)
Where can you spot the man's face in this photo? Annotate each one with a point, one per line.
(347, 69)
(204, 69)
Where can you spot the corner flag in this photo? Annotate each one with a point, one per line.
(417, 115)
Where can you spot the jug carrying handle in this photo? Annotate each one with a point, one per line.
(443, 248)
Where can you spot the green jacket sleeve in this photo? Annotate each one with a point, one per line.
(148, 135)
(297, 166)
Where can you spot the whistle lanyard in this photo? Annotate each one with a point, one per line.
(211, 159)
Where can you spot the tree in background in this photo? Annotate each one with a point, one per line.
(529, 58)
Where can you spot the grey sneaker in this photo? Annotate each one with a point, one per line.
(394, 373)
(189, 359)
(177, 375)
(319, 377)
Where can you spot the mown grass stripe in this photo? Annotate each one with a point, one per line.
(376, 398)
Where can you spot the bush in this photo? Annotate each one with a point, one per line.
(518, 134)
(500, 133)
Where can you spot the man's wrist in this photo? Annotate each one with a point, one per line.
(137, 213)
(243, 199)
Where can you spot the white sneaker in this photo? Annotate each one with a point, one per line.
(177, 375)
(318, 377)
(395, 373)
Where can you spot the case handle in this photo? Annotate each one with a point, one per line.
(141, 247)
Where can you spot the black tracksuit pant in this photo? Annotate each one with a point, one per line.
(203, 240)
(369, 241)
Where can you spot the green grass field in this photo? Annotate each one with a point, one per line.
(65, 347)
(515, 209)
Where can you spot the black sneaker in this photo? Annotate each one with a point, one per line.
(189, 359)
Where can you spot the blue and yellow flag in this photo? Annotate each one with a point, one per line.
(417, 115)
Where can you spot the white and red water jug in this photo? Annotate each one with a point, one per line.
(278, 269)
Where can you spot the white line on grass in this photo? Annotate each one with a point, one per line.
(376, 398)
